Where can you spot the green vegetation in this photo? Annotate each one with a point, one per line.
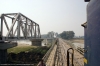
(67, 34)
(19, 49)
(50, 34)
(26, 54)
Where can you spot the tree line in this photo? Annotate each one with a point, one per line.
(64, 34)
(67, 34)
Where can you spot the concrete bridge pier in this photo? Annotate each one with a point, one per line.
(36, 42)
(3, 50)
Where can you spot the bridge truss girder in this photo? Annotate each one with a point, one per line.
(21, 28)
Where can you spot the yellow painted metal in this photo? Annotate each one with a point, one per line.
(85, 60)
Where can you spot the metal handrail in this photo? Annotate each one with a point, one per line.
(68, 57)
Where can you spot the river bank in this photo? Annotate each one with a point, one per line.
(26, 54)
(75, 43)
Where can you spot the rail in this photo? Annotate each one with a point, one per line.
(55, 55)
(58, 58)
(68, 57)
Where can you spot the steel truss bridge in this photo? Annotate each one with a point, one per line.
(16, 26)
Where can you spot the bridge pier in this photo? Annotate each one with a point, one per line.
(3, 50)
(36, 42)
(3, 56)
(50, 40)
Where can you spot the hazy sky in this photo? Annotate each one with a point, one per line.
(51, 15)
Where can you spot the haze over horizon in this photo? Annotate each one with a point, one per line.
(51, 15)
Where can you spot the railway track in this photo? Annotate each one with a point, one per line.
(62, 56)
(79, 49)
(57, 55)
(78, 58)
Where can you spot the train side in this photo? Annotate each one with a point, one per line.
(92, 34)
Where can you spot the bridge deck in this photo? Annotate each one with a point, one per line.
(61, 55)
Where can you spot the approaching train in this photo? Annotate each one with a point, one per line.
(92, 34)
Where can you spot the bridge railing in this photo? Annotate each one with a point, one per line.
(45, 58)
